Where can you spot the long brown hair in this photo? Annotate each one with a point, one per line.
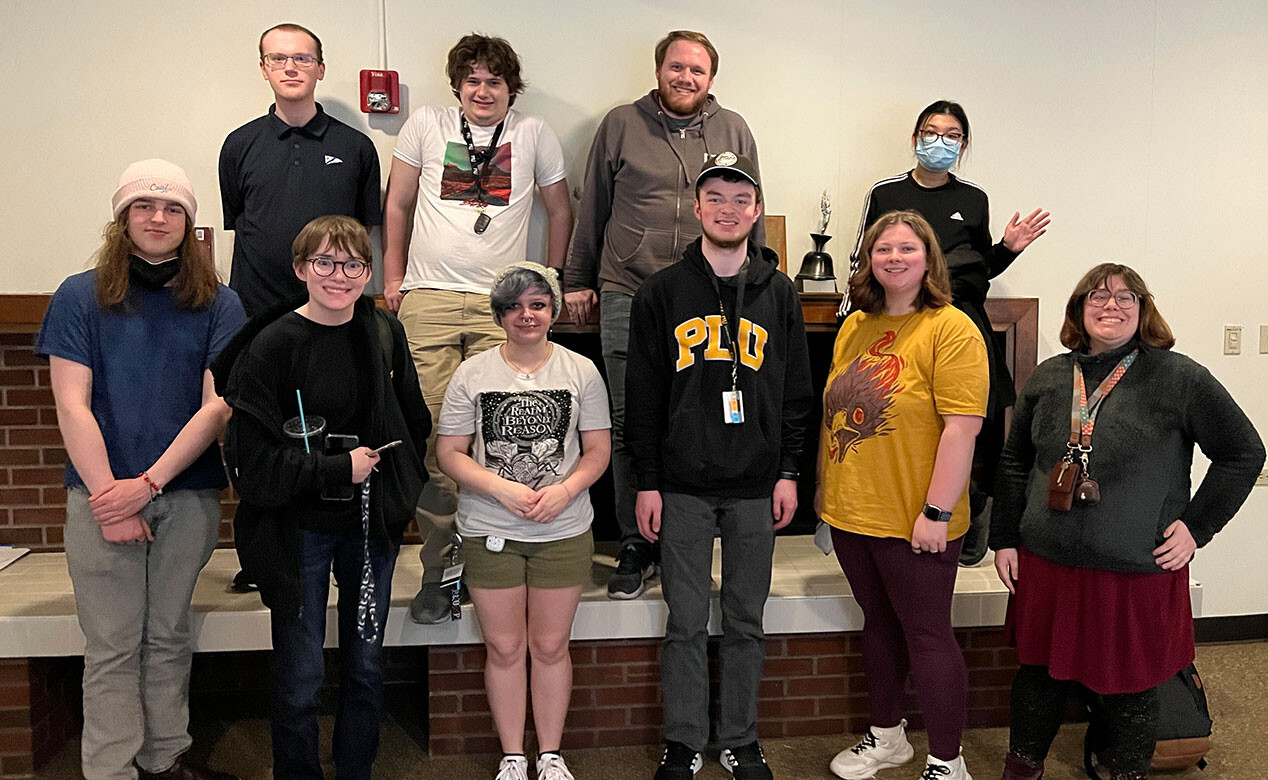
(1152, 329)
(935, 291)
(195, 285)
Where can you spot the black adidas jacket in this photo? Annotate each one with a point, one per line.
(678, 368)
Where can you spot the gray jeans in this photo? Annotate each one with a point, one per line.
(687, 530)
(133, 606)
(614, 335)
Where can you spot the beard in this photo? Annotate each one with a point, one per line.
(679, 104)
(725, 243)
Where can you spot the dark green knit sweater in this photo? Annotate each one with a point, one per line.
(1142, 457)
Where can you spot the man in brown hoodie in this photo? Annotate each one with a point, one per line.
(635, 218)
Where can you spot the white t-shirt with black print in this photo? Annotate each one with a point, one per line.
(527, 431)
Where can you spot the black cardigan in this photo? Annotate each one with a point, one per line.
(270, 473)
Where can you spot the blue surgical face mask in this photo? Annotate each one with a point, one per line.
(938, 155)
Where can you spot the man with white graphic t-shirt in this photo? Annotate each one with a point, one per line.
(466, 176)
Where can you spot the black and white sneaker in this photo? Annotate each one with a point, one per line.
(634, 566)
(679, 762)
(746, 762)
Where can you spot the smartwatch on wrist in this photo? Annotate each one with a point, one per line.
(935, 514)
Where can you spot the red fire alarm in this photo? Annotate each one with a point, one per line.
(380, 92)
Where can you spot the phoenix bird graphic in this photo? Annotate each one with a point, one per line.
(857, 403)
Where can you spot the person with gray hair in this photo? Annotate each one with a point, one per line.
(524, 431)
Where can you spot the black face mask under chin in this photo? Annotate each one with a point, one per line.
(153, 276)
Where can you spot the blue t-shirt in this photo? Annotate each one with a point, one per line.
(147, 371)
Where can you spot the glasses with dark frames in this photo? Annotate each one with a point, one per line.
(1125, 299)
(325, 266)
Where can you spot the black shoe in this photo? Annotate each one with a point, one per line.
(634, 566)
(746, 762)
(974, 549)
(185, 769)
(432, 603)
(679, 762)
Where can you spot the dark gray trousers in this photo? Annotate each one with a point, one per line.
(688, 525)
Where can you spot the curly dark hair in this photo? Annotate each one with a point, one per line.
(493, 53)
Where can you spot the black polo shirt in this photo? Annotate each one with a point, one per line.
(274, 179)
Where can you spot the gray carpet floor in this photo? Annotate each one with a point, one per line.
(1236, 677)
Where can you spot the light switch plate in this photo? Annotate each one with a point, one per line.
(1232, 339)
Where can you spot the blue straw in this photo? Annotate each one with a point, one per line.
(303, 424)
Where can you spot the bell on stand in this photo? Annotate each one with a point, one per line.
(816, 274)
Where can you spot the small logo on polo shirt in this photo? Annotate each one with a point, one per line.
(332, 160)
(956, 216)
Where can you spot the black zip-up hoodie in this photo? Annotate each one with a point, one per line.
(678, 367)
(273, 476)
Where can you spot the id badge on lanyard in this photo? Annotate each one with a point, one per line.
(733, 399)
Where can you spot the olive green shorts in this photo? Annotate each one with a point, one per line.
(561, 564)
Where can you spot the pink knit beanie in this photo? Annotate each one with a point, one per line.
(155, 179)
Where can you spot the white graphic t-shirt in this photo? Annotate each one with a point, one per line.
(527, 431)
(445, 253)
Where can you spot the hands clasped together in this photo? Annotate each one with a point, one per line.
(117, 510)
(539, 506)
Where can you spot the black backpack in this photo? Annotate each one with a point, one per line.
(1184, 725)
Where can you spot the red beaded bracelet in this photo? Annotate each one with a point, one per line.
(155, 490)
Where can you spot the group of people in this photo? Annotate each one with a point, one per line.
(326, 405)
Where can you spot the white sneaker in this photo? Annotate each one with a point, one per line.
(871, 755)
(551, 766)
(937, 769)
(512, 768)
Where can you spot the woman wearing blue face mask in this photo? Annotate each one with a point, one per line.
(960, 216)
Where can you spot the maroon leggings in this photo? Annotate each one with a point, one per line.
(906, 603)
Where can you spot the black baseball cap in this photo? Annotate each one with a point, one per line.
(729, 161)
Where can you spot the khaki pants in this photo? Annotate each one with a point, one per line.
(444, 328)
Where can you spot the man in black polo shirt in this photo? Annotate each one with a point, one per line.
(288, 167)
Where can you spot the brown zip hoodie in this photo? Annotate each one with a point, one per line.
(636, 214)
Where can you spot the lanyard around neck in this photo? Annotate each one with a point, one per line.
(478, 159)
(732, 336)
(1084, 408)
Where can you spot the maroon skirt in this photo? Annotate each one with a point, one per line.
(1112, 631)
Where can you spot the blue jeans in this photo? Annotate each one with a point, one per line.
(298, 666)
(614, 335)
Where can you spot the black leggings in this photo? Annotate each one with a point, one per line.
(1038, 706)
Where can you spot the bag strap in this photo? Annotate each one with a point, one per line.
(385, 336)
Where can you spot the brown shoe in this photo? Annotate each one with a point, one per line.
(186, 769)
(1017, 768)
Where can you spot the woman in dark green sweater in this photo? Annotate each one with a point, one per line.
(1104, 600)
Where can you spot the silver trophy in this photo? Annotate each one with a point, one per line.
(816, 267)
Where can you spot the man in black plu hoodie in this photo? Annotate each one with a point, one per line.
(718, 391)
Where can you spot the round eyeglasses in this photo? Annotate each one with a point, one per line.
(952, 138)
(325, 266)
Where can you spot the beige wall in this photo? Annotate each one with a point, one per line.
(1141, 124)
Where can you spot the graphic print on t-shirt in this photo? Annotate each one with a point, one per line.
(524, 434)
(458, 182)
(857, 403)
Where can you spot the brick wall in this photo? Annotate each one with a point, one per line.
(39, 710)
(813, 685)
(31, 454)
(32, 499)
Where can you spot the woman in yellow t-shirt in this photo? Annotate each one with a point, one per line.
(904, 401)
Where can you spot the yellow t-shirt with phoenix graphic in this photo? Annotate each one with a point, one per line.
(892, 379)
